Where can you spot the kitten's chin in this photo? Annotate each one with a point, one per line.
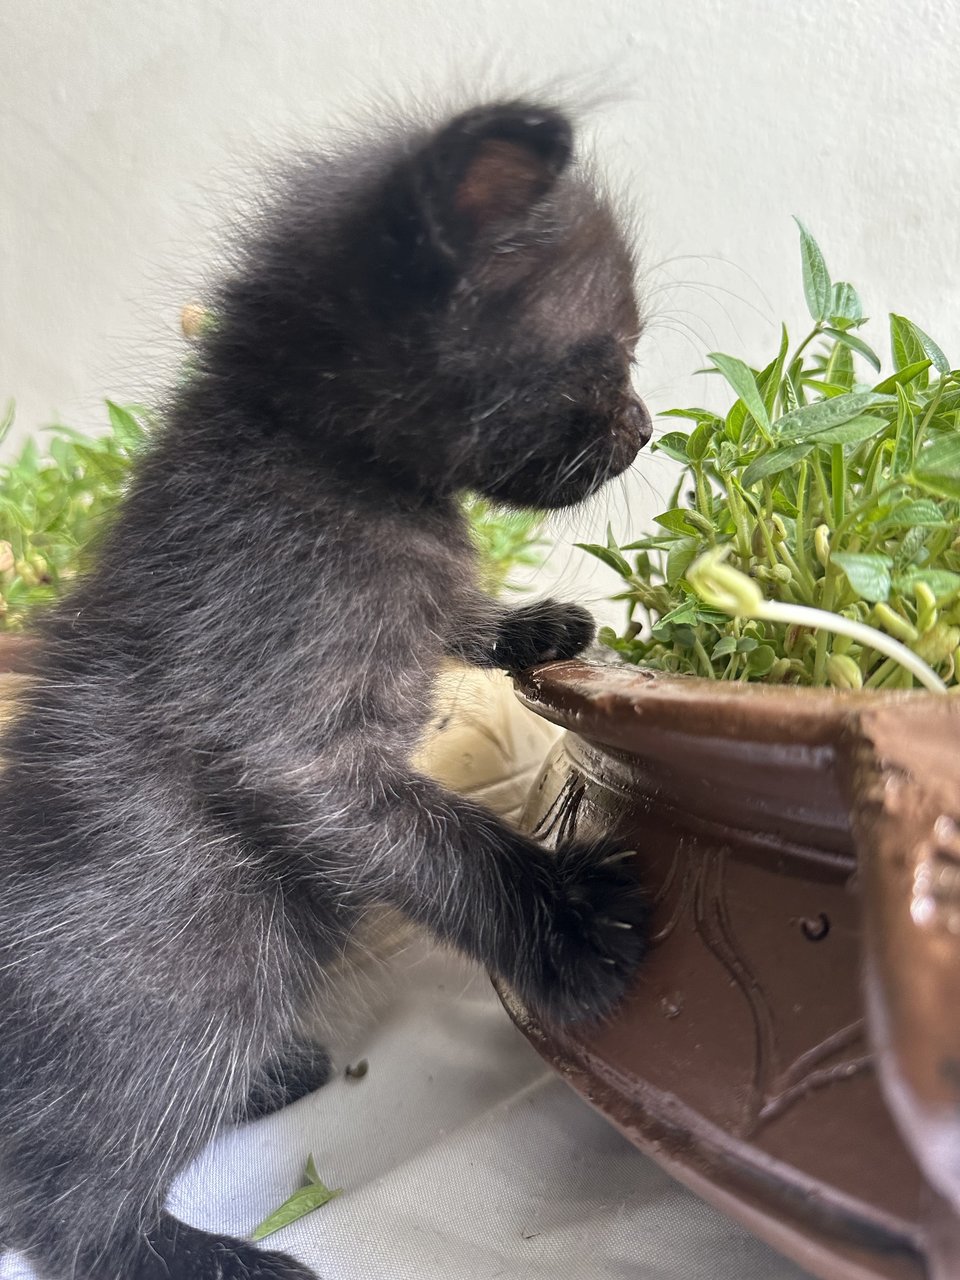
(554, 496)
(552, 484)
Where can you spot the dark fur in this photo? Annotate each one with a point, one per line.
(209, 786)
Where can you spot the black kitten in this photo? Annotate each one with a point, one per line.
(209, 786)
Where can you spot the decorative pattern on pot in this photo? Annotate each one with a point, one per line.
(742, 1059)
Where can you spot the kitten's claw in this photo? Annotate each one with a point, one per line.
(615, 858)
(614, 924)
(594, 939)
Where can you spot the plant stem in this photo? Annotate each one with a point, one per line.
(838, 478)
(925, 421)
(803, 564)
(742, 529)
(768, 543)
(877, 677)
(811, 336)
(828, 583)
(826, 505)
(703, 658)
(851, 517)
(723, 587)
(824, 621)
(801, 577)
(704, 505)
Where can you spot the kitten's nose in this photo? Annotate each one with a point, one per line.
(637, 421)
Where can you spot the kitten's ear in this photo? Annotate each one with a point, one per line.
(488, 167)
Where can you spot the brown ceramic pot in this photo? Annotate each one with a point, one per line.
(791, 1048)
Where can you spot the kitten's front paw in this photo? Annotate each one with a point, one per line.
(543, 632)
(595, 936)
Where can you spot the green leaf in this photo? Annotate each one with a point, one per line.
(742, 379)
(724, 646)
(845, 306)
(735, 421)
(821, 415)
(677, 633)
(694, 414)
(855, 344)
(654, 543)
(297, 1206)
(699, 441)
(940, 361)
(905, 439)
(941, 582)
(610, 557)
(816, 277)
(921, 513)
(905, 344)
(839, 369)
(761, 659)
(673, 444)
(728, 456)
(940, 458)
(830, 390)
(125, 426)
(677, 521)
(28, 460)
(947, 486)
(869, 575)
(686, 613)
(679, 559)
(903, 377)
(770, 378)
(853, 432)
(789, 392)
(773, 462)
(910, 547)
(712, 617)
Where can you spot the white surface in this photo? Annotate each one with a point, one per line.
(461, 1157)
(126, 127)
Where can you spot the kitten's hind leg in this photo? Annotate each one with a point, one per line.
(298, 1070)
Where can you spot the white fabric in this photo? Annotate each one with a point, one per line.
(461, 1157)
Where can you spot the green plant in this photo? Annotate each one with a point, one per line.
(827, 491)
(53, 501)
(504, 540)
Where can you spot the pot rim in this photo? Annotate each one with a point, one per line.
(603, 702)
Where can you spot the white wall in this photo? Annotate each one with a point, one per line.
(127, 125)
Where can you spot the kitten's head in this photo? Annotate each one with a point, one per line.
(480, 318)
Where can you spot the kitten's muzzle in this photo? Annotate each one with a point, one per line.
(632, 429)
(636, 422)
